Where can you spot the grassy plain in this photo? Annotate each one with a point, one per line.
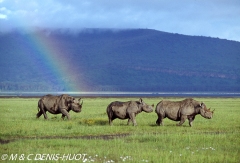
(87, 137)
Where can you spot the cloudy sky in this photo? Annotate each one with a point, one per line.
(214, 18)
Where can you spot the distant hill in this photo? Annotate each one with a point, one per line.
(117, 60)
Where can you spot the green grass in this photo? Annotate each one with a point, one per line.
(214, 140)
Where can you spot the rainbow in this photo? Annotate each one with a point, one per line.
(54, 58)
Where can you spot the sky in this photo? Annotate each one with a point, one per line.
(211, 18)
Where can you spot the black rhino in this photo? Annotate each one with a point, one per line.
(127, 110)
(181, 110)
(58, 105)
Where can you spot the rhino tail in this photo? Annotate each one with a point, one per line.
(38, 108)
(39, 105)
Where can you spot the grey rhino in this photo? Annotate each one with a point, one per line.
(58, 105)
(127, 110)
(181, 110)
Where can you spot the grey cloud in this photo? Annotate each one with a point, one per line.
(217, 18)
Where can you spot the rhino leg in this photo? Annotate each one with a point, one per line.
(65, 113)
(44, 114)
(41, 110)
(183, 118)
(110, 118)
(159, 120)
(190, 119)
(110, 122)
(39, 114)
(63, 116)
(132, 117)
(129, 121)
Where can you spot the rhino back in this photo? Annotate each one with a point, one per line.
(169, 109)
(187, 109)
(133, 107)
(51, 103)
(119, 109)
(188, 105)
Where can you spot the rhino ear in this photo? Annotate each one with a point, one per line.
(71, 99)
(140, 100)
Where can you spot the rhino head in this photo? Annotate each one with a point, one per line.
(76, 106)
(145, 107)
(206, 113)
